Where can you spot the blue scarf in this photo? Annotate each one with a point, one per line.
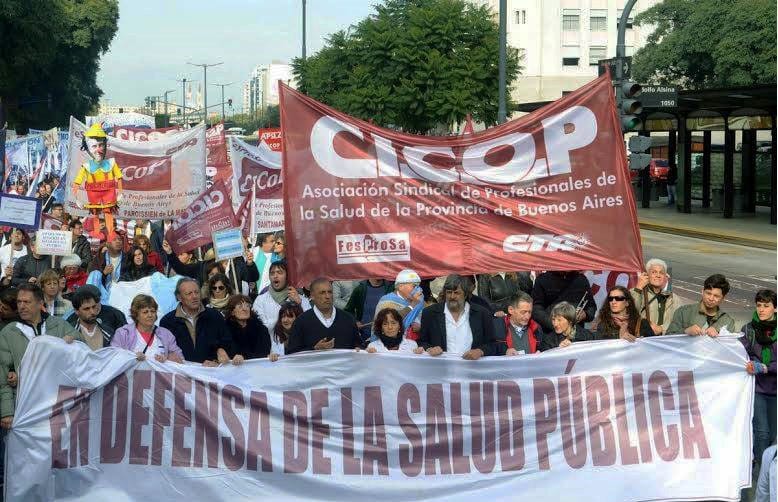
(412, 315)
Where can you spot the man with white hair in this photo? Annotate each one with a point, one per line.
(654, 302)
(407, 299)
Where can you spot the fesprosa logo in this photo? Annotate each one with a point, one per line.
(372, 248)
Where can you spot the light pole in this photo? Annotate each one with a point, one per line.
(303, 30)
(223, 86)
(205, 87)
(502, 37)
(166, 115)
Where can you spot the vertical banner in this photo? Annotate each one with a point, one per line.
(217, 163)
(261, 167)
(160, 178)
(575, 423)
(548, 191)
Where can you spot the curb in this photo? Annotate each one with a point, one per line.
(699, 234)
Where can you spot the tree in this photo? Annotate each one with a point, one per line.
(414, 65)
(708, 43)
(51, 58)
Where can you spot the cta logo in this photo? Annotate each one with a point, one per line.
(534, 243)
(144, 173)
(373, 248)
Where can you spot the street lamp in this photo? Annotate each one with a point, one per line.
(205, 86)
(223, 86)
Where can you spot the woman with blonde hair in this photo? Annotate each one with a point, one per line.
(143, 337)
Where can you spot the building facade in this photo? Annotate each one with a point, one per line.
(261, 90)
(562, 40)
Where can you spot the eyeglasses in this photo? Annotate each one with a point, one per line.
(616, 298)
(219, 288)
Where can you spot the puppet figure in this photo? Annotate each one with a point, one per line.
(102, 180)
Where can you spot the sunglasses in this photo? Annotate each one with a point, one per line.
(219, 288)
(616, 298)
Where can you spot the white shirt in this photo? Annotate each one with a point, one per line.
(5, 257)
(154, 348)
(405, 346)
(459, 336)
(267, 309)
(325, 321)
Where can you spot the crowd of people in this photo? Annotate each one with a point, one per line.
(245, 308)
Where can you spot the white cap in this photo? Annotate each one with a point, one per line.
(407, 276)
(72, 260)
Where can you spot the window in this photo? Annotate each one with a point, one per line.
(571, 20)
(571, 55)
(618, 18)
(598, 20)
(596, 54)
(521, 16)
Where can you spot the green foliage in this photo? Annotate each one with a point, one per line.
(414, 65)
(269, 118)
(52, 48)
(708, 43)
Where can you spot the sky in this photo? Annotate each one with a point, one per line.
(156, 39)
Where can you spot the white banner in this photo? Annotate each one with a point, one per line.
(262, 166)
(664, 418)
(160, 178)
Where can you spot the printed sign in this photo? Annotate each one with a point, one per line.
(210, 212)
(19, 211)
(54, 242)
(227, 243)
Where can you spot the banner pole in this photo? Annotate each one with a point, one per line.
(252, 215)
(234, 276)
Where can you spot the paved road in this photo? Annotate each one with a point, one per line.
(692, 260)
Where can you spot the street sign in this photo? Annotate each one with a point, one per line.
(611, 63)
(659, 96)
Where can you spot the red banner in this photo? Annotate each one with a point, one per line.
(210, 212)
(272, 137)
(549, 191)
(216, 162)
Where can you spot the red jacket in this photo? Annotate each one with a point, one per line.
(75, 281)
(155, 261)
(531, 330)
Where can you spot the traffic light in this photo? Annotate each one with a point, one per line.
(638, 146)
(229, 102)
(629, 107)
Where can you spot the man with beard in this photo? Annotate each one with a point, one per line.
(268, 303)
(10, 254)
(324, 326)
(456, 325)
(95, 321)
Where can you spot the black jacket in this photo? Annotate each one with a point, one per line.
(433, 328)
(252, 342)
(248, 273)
(498, 290)
(211, 334)
(553, 287)
(28, 266)
(82, 248)
(109, 319)
(308, 330)
(606, 333)
(550, 340)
